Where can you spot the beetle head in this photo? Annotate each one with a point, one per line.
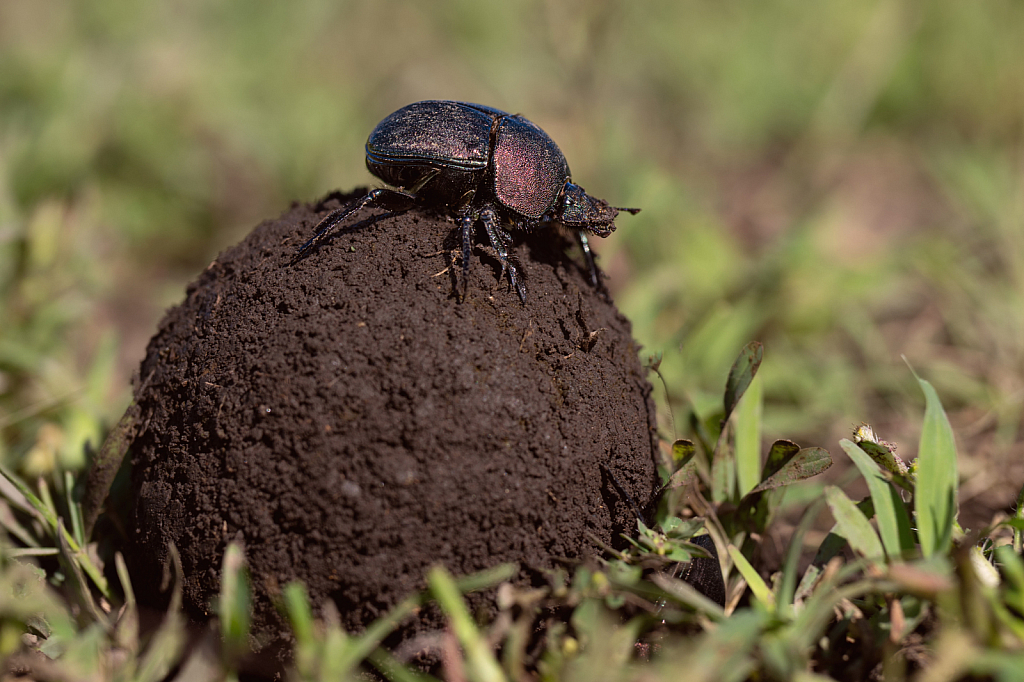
(581, 211)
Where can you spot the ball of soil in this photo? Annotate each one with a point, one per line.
(351, 422)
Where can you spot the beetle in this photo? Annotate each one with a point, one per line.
(482, 164)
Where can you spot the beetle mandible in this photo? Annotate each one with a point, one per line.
(482, 164)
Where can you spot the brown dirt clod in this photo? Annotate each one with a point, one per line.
(352, 422)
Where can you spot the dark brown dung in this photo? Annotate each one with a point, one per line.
(351, 422)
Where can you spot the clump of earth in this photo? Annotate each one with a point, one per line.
(352, 422)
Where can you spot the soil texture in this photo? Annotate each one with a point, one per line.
(352, 422)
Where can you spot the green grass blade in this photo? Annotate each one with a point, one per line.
(360, 647)
(47, 499)
(33, 551)
(741, 374)
(853, 525)
(392, 668)
(685, 593)
(757, 584)
(935, 505)
(48, 516)
(723, 467)
(10, 522)
(128, 622)
(336, 661)
(79, 588)
(748, 437)
(234, 602)
(890, 513)
(74, 509)
(489, 577)
(35, 504)
(482, 666)
(300, 615)
(1018, 514)
(1013, 568)
(706, 428)
(788, 583)
(83, 560)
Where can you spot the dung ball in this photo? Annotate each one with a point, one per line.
(351, 422)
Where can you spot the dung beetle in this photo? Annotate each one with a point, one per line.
(481, 164)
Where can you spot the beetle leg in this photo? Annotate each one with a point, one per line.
(588, 255)
(466, 222)
(500, 240)
(387, 199)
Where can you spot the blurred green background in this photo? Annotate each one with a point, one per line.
(840, 180)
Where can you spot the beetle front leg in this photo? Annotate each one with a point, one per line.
(387, 199)
(500, 240)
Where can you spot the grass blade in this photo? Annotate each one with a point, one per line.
(480, 660)
(741, 374)
(33, 551)
(74, 509)
(70, 559)
(392, 668)
(723, 467)
(46, 498)
(853, 525)
(300, 616)
(46, 513)
(233, 605)
(935, 504)
(34, 504)
(128, 623)
(684, 593)
(748, 437)
(890, 513)
(360, 647)
(788, 583)
(8, 521)
(757, 584)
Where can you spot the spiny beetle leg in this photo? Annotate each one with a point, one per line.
(500, 240)
(384, 198)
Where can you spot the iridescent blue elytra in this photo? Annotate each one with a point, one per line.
(482, 164)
